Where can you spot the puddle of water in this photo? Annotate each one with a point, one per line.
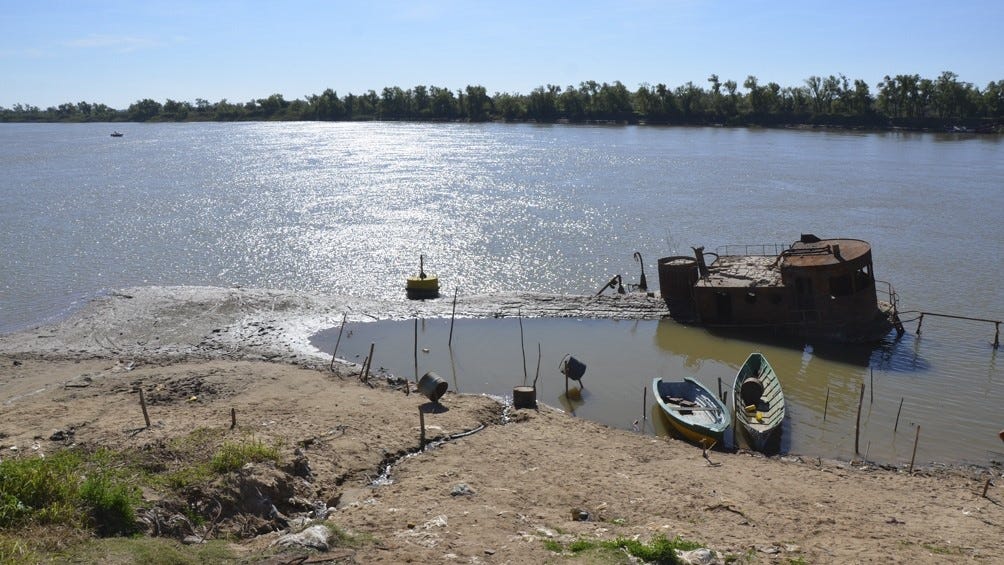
(622, 357)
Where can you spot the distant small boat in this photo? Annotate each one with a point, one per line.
(117, 134)
(423, 285)
(759, 402)
(693, 410)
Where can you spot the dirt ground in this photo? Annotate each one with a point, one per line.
(502, 483)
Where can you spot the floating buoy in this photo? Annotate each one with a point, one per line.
(422, 285)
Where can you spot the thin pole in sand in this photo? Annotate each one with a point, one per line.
(521, 346)
(142, 404)
(857, 426)
(826, 405)
(644, 402)
(369, 362)
(421, 424)
(720, 388)
(871, 391)
(986, 486)
(233, 418)
(896, 427)
(913, 457)
(453, 315)
(537, 375)
(334, 353)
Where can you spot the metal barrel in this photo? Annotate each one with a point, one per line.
(432, 386)
(574, 369)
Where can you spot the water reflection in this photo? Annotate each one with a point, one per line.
(573, 398)
(949, 388)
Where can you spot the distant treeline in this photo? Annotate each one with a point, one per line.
(905, 101)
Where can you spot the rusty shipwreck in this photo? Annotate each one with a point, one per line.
(816, 288)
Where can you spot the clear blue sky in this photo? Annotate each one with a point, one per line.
(119, 51)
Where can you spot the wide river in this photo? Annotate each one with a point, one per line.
(348, 208)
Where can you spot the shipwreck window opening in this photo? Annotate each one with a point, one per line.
(804, 294)
(863, 278)
(841, 285)
(723, 302)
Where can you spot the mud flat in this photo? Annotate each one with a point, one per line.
(505, 486)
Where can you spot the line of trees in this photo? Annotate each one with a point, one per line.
(907, 101)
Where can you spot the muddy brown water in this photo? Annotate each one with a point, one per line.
(622, 357)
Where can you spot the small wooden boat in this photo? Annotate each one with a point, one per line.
(693, 410)
(759, 402)
(422, 285)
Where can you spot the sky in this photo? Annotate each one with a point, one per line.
(117, 52)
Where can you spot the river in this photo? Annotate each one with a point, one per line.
(548, 208)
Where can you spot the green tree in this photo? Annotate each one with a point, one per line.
(572, 105)
(756, 96)
(444, 103)
(690, 98)
(477, 104)
(614, 102)
(421, 102)
(173, 110)
(326, 106)
(509, 106)
(143, 110)
(542, 104)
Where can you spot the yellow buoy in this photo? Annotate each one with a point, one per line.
(422, 285)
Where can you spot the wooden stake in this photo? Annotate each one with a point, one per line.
(896, 427)
(421, 423)
(521, 346)
(537, 376)
(644, 402)
(369, 362)
(233, 418)
(871, 391)
(720, 388)
(453, 315)
(826, 405)
(337, 341)
(857, 426)
(986, 486)
(913, 457)
(142, 404)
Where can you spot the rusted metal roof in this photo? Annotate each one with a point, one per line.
(824, 252)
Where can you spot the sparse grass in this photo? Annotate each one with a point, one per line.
(551, 545)
(67, 488)
(232, 456)
(938, 550)
(149, 551)
(659, 550)
(51, 507)
(15, 550)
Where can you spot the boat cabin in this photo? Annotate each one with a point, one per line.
(822, 287)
